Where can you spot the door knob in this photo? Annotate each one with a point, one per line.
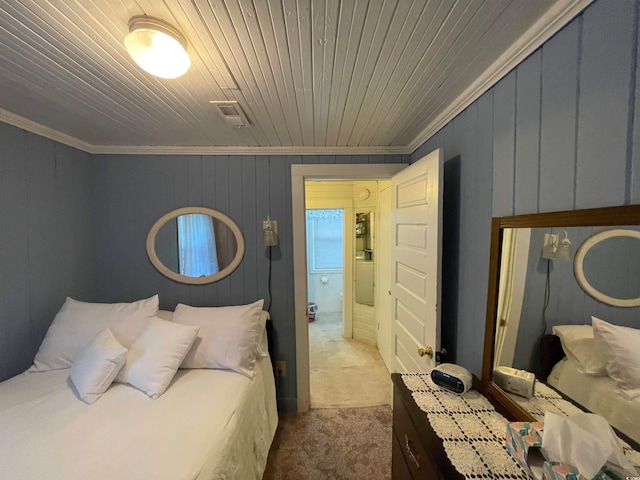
(428, 351)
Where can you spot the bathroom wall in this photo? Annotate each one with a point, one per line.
(327, 294)
(364, 316)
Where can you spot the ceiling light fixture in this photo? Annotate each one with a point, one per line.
(157, 47)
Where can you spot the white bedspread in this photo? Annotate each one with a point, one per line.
(210, 424)
(599, 395)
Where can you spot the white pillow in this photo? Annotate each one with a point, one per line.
(77, 323)
(578, 343)
(620, 346)
(155, 356)
(228, 337)
(97, 366)
(165, 315)
(263, 341)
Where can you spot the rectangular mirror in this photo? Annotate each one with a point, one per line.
(364, 270)
(549, 275)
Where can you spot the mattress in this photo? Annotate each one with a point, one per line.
(599, 395)
(209, 424)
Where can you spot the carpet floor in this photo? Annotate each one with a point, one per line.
(336, 444)
(344, 373)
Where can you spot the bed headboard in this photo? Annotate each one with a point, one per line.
(269, 327)
(551, 352)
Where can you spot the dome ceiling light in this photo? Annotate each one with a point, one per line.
(157, 47)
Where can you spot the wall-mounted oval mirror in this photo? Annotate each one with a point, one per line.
(613, 252)
(195, 245)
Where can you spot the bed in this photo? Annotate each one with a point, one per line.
(209, 424)
(597, 394)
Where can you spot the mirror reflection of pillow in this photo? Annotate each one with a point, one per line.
(578, 343)
(620, 347)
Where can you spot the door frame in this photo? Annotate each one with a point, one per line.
(300, 173)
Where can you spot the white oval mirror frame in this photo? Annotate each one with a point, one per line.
(578, 267)
(167, 272)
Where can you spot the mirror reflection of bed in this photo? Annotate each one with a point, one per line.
(544, 316)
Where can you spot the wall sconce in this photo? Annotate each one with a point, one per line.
(157, 47)
(269, 232)
(555, 248)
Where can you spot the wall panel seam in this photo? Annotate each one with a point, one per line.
(541, 84)
(515, 141)
(632, 109)
(577, 111)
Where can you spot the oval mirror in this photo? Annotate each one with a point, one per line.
(606, 267)
(195, 245)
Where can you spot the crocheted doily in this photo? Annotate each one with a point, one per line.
(472, 432)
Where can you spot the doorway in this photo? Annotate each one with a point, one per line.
(341, 356)
(299, 174)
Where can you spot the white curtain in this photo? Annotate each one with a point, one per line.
(197, 245)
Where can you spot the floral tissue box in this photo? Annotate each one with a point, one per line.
(523, 442)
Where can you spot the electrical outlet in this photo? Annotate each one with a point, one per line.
(281, 368)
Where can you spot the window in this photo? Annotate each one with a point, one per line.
(325, 229)
(197, 245)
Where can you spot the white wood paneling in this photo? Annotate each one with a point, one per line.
(308, 74)
(321, 75)
(364, 323)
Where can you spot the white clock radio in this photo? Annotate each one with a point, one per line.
(452, 377)
(515, 381)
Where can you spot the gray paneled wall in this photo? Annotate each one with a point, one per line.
(46, 239)
(132, 192)
(568, 303)
(560, 132)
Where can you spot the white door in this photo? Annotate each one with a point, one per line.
(383, 290)
(416, 252)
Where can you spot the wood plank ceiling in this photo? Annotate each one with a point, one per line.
(307, 73)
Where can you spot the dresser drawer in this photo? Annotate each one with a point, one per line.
(399, 468)
(418, 462)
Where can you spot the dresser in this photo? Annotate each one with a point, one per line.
(417, 452)
(440, 435)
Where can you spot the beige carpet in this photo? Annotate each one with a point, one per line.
(353, 443)
(344, 373)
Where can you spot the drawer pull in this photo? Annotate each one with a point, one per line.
(412, 457)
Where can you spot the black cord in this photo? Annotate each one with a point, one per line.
(269, 282)
(547, 295)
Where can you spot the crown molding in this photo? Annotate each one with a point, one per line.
(234, 150)
(561, 13)
(50, 133)
(39, 129)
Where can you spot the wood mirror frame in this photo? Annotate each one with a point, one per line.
(610, 216)
(167, 272)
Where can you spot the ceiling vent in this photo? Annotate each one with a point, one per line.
(231, 112)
